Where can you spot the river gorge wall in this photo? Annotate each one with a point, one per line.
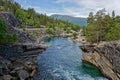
(19, 61)
(105, 56)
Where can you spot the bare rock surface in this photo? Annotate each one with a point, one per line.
(13, 25)
(105, 56)
(23, 74)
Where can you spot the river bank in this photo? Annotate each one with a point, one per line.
(105, 56)
(18, 61)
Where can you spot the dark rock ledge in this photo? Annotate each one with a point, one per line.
(18, 62)
(105, 56)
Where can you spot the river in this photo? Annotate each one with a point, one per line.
(62, 61)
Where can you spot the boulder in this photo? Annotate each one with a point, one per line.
(34, 72)
(23, 74)
(7, 77)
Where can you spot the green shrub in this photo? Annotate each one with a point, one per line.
(6, 38)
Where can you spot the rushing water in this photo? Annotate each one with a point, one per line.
(62, 61)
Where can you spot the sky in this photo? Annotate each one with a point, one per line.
(76, 8)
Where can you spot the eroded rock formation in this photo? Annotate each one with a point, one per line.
(105, 56)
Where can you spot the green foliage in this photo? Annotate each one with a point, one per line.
(90, 18)
(14, 37)
(102, 27)
(76, 28)
(30, 18)
(24, 27)
(49, 31)
(2, 26)
(68, 30)
(74, 35)
(113, 34)
(21, 15)
(6, 38)
(92, 32)
(113, 14)
(37, 25)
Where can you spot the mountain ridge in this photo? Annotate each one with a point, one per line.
(75, 20)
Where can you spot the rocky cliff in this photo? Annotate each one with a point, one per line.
(13, 26)
(18, 61)
(105, 56)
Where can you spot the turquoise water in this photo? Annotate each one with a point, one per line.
(62, 61)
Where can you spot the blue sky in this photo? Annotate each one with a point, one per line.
(77, 8)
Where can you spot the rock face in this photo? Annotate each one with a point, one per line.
(23, 74)
(13, 26)
(112, 52)
(10, 19)
(19, 69)
(11, 51)
(106, 57)
(18, 61)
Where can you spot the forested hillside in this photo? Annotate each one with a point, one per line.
(30, 19)
(102, 27)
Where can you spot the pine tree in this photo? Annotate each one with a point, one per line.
(113, 14)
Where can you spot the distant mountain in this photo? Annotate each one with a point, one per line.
(74, 20)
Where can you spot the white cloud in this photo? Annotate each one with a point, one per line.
(83, 7)
(86, 6)
(77, 12)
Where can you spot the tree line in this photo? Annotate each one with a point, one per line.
(102, 27)
(31, 18)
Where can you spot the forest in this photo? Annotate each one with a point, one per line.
(102, 27)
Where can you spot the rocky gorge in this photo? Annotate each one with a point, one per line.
(105, 56)
(19, 61)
